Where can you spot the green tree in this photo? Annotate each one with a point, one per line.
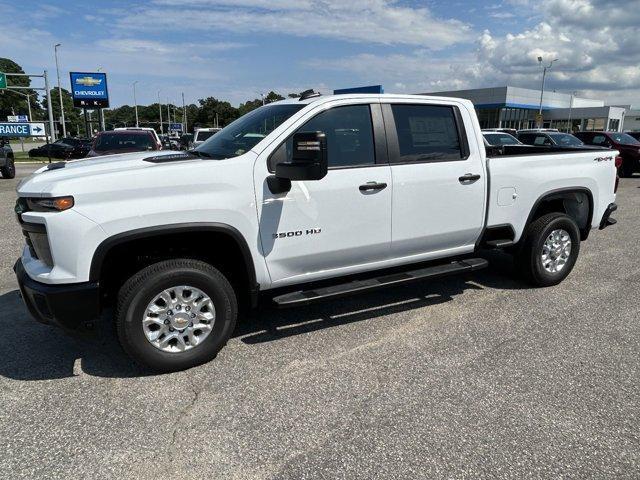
(12, 103)
(212, 109)
(250, 105)
(72, 116)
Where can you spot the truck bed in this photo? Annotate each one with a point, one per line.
(521, 176)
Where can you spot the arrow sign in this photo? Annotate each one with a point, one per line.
(12, 129)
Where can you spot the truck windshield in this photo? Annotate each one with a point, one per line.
(565, 139)
(243, 134)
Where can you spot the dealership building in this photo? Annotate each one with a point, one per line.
(513, 107)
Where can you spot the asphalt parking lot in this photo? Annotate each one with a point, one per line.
(465, 377)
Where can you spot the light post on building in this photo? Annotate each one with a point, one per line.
(544, 74)
(64, 127)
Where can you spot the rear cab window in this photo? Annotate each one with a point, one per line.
(425, 133)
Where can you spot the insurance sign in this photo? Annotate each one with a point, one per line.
(89, 90)
(22, 129)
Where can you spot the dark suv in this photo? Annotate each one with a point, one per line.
(550, 139)
(628, 147)
(7, 165)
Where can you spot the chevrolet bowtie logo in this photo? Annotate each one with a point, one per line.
(89, 81)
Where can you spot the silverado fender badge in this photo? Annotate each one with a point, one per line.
(603, 159)
(297, 233)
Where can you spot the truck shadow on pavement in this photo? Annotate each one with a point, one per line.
(31, 351)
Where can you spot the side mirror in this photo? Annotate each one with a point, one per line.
(308, 159)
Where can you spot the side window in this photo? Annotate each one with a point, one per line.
(426, 132)
(599, 140)
(542, 140)
(349, 132)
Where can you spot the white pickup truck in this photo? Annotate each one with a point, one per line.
(304, 199)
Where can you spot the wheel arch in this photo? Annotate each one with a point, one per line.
(572, 199)
(156, 233)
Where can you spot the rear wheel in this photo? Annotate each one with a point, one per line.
(550, 250)
(175, 314)
(9, 169)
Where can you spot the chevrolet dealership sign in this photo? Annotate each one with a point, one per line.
(89, 90)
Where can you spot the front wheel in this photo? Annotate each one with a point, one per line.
(175, 314)
(550, 250)
(9, 169)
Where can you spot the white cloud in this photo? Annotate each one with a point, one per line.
(378, 21)
(596, 43)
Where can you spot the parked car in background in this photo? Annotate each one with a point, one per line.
(186, 140)
(500, 138)
(628, 147)
(202, 134)
(7, 165)
(169, 143)
(511, 131)
(150, 130)
(64, 148)
(81, 146)
(635, 135)
(552, 139)
(123, 141)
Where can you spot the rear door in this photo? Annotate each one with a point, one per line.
(438, 177)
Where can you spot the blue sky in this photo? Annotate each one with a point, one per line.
(236, 49)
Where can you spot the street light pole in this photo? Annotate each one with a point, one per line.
(184, 115)
(135, 102)
(544, 74)
(160, 110)
(28, 101)
(64, 126)
(570, 126)
(52, 132)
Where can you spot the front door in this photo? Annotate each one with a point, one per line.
(335, 225)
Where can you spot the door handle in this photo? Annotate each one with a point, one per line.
(469, 177)
(372, 186)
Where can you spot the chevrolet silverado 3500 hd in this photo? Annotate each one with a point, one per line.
(306, 199)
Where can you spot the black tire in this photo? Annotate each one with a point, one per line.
(9, 169)
(136, 294)
(529, 258)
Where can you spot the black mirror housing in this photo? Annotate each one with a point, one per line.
(308, 160)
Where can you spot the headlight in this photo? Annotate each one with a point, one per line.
(54, 204)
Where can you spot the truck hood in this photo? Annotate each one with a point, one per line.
(91, 169)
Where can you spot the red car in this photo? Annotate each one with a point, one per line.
(122, 141)
(628, 147)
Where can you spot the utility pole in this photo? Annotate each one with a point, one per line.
(160, 110)
(64, 126)
(28, 100)
(544, 74)
(135, 102)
